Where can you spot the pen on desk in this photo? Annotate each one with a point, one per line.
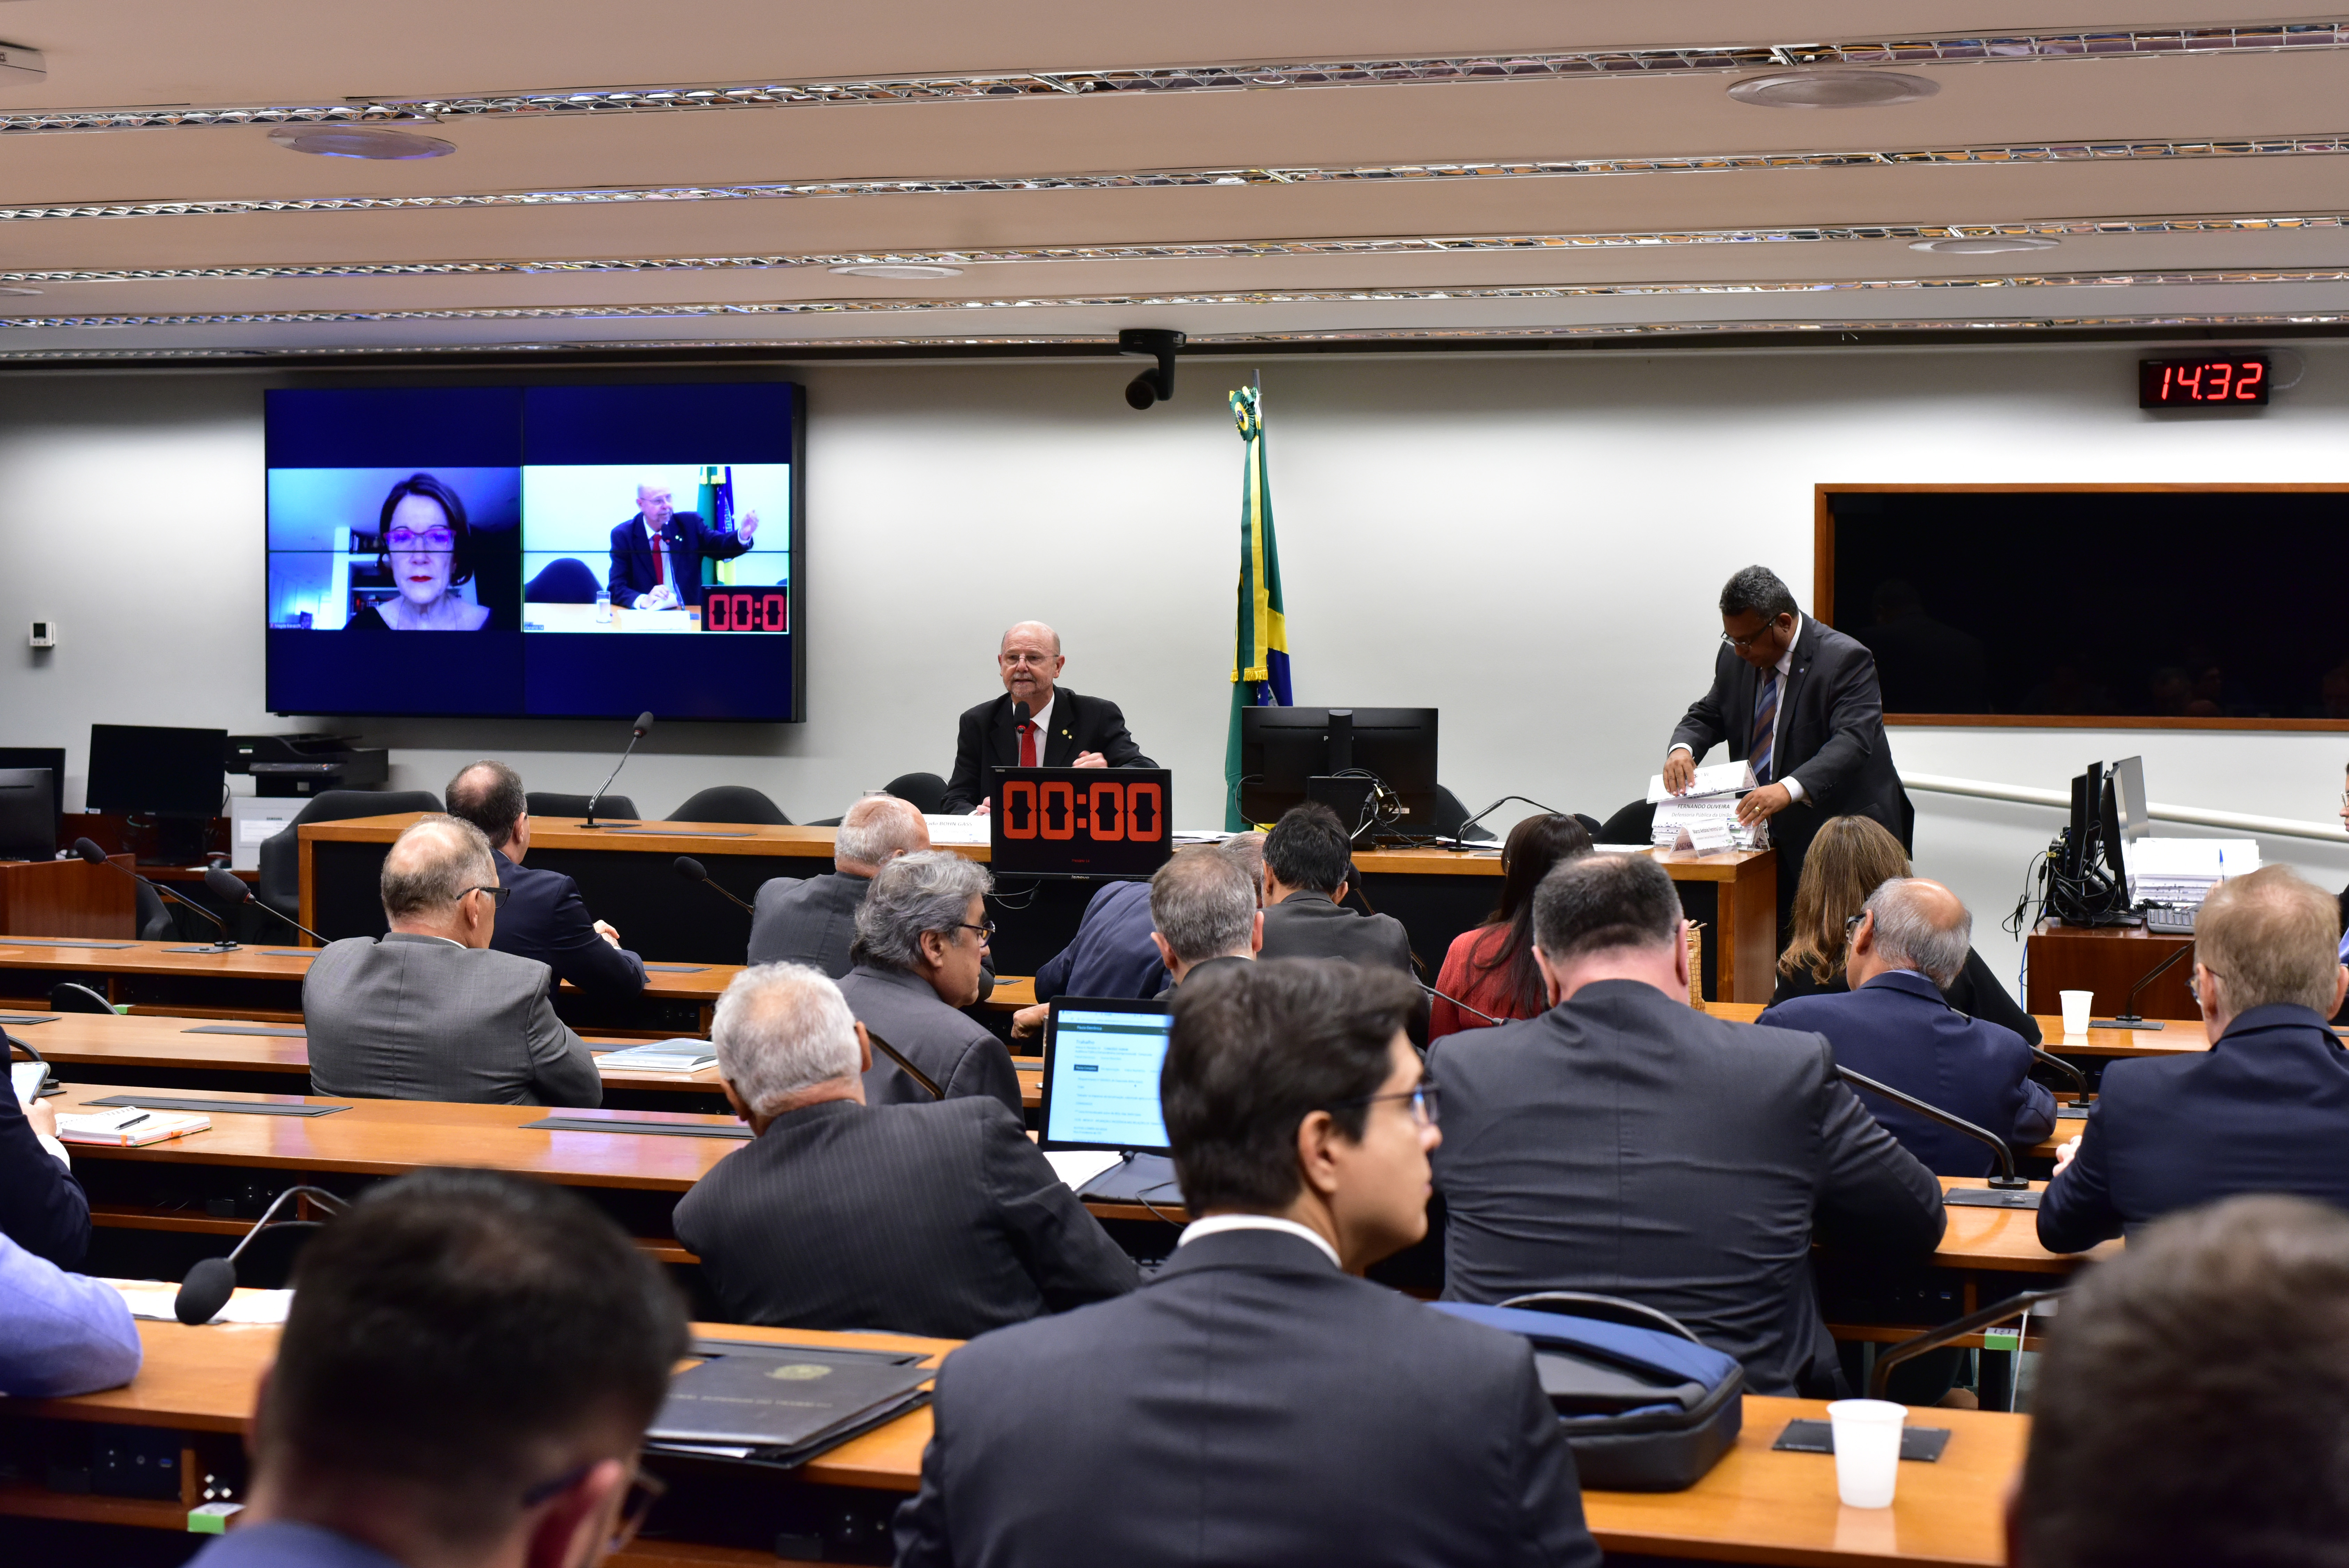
(134, 1121)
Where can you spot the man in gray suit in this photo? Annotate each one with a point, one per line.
(921, 941)
(1308, 859)
(1257, 1402)
(812, 920)
(430, 1011)
(1627, 1144)
(938, 1219)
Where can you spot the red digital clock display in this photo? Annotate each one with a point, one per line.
(746, 610)
(2238, 381)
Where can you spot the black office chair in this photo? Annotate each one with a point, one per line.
(1633, 825)
(1449, 813)
(927, 790)
(547, 803)
(563, 582)
(72, 996)
(730, 802)
(279, 883)
(155, 922)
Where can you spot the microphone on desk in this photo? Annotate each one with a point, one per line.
(692, 870)
(233, 890)
(2007, 1190)
(644, 723)
(2128, 1017)
(90, 852)
(2079, 1079)
(212, 1280)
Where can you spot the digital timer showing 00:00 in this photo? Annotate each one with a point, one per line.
(1111, 812)
(2240, 381)
(766, 609)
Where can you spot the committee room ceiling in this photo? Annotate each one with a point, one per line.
(1258, 172)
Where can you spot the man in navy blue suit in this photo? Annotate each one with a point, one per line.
(1895, 1025)
(2265, 1109)
(543, 917)
(657, 555)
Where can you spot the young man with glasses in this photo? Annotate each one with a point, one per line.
(463, 1382)
(2265, 1109)
(1257, 1401)
(430, 1011)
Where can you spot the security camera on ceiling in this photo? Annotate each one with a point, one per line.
(1151, 385)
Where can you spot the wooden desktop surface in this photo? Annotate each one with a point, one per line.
(1755, 1506)
(2176, 1034)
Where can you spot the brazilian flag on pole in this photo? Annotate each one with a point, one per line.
(1260, 645)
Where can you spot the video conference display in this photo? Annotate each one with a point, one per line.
(579, 550)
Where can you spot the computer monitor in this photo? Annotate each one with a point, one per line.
(178, 776)
(1102, 1059)
(1282, 750)
(2125, 796)
(28, 814)
(50, 757)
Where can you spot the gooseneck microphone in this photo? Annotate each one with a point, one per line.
(2128, 1017)
(2007, 1190)
(90, 852)
(212, 1280)
(692, 870)
(644, 723)
(233, 890)
(910, 1070)
(1460, 1005)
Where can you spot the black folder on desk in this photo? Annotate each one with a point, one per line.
(783, 1403)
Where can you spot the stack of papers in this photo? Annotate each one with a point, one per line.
(157, 1302)
(1078, 1165)
(659, 1056)
(2182, 871)
(958, 832)
(128, 1126)
(1704, 817)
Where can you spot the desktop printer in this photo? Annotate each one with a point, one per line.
(306, 764)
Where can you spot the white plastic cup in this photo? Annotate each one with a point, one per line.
(2077, 1006)
(1867, 1450)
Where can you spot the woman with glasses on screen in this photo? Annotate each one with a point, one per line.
(428, 549)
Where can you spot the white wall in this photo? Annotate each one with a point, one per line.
(1531, 544)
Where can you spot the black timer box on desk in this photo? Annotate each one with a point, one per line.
(1080, 821)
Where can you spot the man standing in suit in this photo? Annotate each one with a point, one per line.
(921, 939)
(1627, 1144)
(543, 917)
(430, 1011)
(812, 920)
(657, 555)
(1062, 729)
(1257, 1401)
(1307, 861)
(940, 1219)
(1895, 1025)
(1798, 700)
(2265, 1109)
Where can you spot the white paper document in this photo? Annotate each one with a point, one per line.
(2184, 870)
(1705, 823)
(1720, 778)
(1078, 1165)
(153, 1301)
(659, 1056)
(958, 832)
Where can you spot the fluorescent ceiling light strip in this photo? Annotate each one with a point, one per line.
(1577, 65)
(1386, 174)
(1385, 246)
(1170, 300)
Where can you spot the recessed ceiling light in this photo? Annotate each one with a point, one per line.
(360, 142)
(1833, 90)
(908, 270)
(1984, 244)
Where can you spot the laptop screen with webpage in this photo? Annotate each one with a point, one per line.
(1101, 1058)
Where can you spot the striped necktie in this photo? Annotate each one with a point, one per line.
(1766, 726)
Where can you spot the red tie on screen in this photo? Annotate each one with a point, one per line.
(1027, 745)
(660, 575)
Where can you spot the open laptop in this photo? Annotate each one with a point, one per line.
(1102, 1059)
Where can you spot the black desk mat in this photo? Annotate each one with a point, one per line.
(290, 1031)
(59, 942)
(1922, 1444)
(620, 1125)
(214, 1107)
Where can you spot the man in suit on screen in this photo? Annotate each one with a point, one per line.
(1062, 729)
(657, 555)
(1799, 700)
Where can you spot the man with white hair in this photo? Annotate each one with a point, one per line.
(1061, 729)
(934, 1219)
(431, 1012)
(1204, 912)
(657, 555)
(921, 941)
(1895, 1025)
(812, 920)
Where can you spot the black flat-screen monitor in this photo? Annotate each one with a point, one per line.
(1281, 748)
(50, 757)
(585, 551)
(28, 814)
(155, 770)
(1079, 822)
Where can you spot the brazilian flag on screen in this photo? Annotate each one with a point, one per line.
(1261, 645)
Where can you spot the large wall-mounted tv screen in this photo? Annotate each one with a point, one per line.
(566, 551)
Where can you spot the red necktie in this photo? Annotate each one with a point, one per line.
(1027, 745)
(660, 575)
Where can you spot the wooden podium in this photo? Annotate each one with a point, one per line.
(67, 898)
(2107, 960)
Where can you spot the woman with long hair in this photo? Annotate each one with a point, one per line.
(1490, 968)
(1852, 857)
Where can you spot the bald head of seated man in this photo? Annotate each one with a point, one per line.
(1062, 730)
(430, 1011)
(812, 919)
(543, 917)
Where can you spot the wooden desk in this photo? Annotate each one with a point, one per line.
(2176, 1034)
(67, 898)
(1755, 1506)
(1436, 893)
(2107, 960)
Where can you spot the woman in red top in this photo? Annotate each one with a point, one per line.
(1490, 970)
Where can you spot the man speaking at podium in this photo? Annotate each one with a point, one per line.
(1062, 731)
(1799, 700)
